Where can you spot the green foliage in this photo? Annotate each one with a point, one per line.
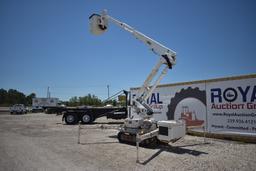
(111, 102)
(3, 96)
(122, 100)
(29, 98)
(89, 100)
(73, 101)
(10, 97)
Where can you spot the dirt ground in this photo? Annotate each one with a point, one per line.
(42, 142)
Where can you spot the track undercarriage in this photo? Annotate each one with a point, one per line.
(130, 129)
(127, 138)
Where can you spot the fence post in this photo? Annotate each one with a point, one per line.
(137, 147)
(78, 138)
(204, 134)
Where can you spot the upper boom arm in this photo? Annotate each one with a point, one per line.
(99, 24)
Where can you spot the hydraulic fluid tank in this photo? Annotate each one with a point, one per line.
(98, 24)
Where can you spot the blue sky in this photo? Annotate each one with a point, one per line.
(47, 43)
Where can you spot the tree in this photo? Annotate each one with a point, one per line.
(73, 101)
(13, 96)
(29, 98)
(111, 102)
(3, 96)
(88, 100)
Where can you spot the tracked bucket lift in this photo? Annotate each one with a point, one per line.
(144, 129)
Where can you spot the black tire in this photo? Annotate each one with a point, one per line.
(183, 94)
(119, 137)
(87, 118)
(71, 119)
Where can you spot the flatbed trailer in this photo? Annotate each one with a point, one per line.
(54, 109)
(86, 115)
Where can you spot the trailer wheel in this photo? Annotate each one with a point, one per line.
(71, 119)
(86, 118)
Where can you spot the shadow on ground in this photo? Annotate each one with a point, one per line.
(92, 143)
(175, 149)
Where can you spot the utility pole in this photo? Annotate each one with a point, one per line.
(48, 92)
(108, 90)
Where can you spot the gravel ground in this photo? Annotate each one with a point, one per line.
(42, 142)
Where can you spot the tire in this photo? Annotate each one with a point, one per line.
(183, 94)
(71, 119)
(119, 137)
(87, 119)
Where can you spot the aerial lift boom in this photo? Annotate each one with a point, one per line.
(99, 23)
(144, 125)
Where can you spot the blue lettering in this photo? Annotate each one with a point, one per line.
(244, 92)
(217, 95)
(153, 98)
(253, 94)
(230, 94)
(158, 99)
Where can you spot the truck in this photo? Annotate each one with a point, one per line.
(41, 104)
(18, 109)
(88, 114)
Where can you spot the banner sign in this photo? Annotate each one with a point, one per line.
(231, 106)
(178, 102)
(220, 105)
